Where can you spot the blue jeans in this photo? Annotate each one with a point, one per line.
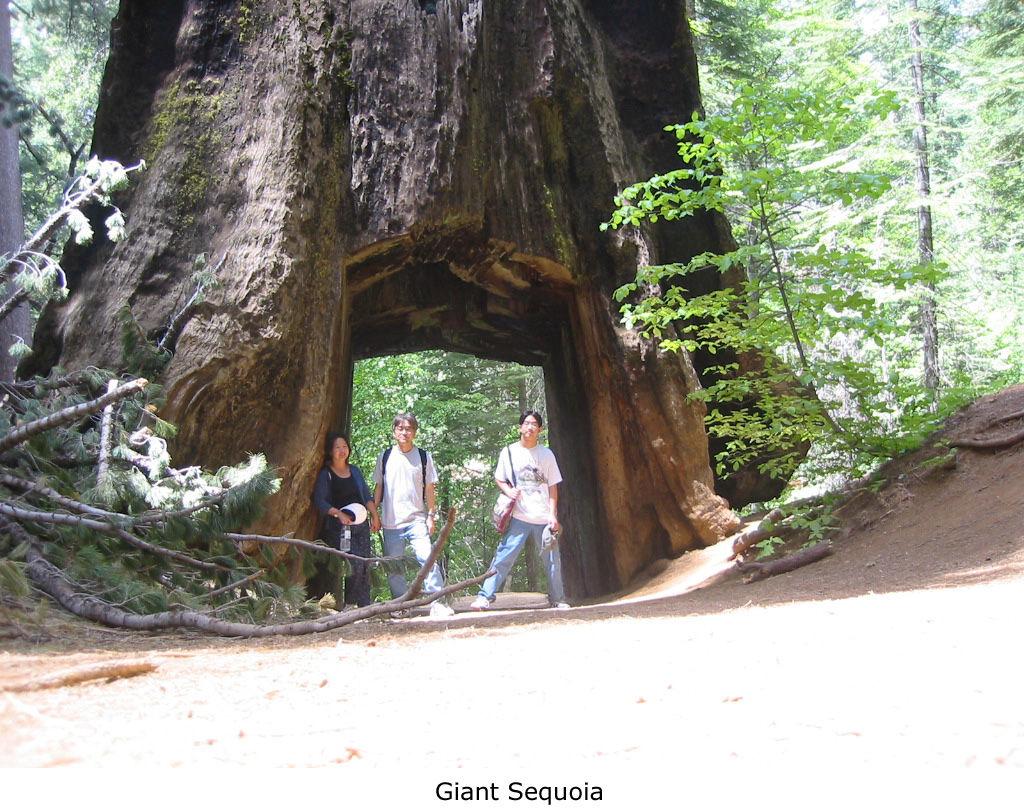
(512, 542)
(415, 535)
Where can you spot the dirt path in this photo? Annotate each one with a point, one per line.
(898, 653)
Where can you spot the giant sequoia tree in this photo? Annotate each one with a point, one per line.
(378, 176)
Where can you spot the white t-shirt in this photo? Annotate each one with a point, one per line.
(403, 487)
(536, 470)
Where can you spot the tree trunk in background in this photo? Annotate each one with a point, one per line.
(382, 180)
(925, 244)
(12, 223)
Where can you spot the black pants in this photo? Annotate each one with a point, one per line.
(357, 584)
(325, 578)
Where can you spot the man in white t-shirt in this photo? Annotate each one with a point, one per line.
(527, 472)
(405, 493)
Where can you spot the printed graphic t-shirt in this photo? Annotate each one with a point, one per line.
(536, 470)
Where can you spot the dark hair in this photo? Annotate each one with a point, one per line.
(329, 445)
(535, 414)
(405, 417)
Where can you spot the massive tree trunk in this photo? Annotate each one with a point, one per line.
(382, 179)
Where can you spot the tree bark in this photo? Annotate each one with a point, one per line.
(12, 221)
(925, 242)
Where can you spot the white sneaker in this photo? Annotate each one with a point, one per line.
(560, 605)
(480, 603)
(439, 610)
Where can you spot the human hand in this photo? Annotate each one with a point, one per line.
(430, 524)
(554, 525)
(374, 524)
(549, 538)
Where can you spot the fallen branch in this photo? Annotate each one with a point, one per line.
(23, 387)
(57, 220)
(753, 535)
(158, 516)
(58, 519)
(152, 468)
(147, 518)
(239, 584)
(31, 487)
(435, 552)
(753, 571)
(51, 580)
(71, 414)
(291, 541)
(103, 466)
(109, 671)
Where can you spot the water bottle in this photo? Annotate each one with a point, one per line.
(346, 538)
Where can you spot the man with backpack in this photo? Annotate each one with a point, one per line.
(406, 497)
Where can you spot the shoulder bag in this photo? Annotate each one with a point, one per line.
(501, 515)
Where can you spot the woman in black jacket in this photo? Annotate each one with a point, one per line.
(340, 484)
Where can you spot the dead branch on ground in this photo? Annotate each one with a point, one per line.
(108, 670)
(34, 487)
(755, 534)
(103, 466)
(753, 571)
(239, 584)
(48, 578)
(288, 540)
(435, 552)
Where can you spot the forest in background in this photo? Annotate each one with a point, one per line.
(822, 118)
(870, 160)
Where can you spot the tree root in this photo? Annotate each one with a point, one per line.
(989, 444)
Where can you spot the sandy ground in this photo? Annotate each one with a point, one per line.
(899, 654)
